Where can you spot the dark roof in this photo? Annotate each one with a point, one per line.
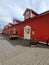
(11, 23)
(44, 13)
(16, 20)
(27, 9)
(30, 18)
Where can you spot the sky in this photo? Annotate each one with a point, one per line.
(10, 9)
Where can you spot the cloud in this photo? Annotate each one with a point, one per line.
(10, 9)
(44, 6)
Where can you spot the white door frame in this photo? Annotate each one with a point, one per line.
(27, 36)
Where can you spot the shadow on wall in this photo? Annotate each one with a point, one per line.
(23, 42)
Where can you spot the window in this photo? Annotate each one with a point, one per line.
(27, 31)
(27, 15)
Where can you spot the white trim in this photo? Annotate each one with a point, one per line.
(26, 27)
(43, 42)
(39, 41)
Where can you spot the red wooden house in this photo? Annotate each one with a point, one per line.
(34, 26)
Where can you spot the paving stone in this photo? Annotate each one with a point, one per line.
(15, 52)
(0, 64)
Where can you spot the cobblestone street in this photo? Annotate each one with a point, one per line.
(18, 52)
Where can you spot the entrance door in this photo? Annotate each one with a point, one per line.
(27, 32)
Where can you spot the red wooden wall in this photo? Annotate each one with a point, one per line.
(40, 24)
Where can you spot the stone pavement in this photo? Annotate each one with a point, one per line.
(16, 52)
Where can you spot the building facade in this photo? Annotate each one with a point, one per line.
(34, 26)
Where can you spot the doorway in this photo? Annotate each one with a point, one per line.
(27, 32)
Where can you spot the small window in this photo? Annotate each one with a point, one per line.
(27, 31)
(27, 15)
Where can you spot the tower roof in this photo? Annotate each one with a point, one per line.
(27, 9)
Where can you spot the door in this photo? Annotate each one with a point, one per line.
(27, 32)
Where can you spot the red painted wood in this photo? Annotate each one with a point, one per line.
(40, 24)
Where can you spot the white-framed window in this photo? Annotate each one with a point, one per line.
(27, 31)
(27, 15)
